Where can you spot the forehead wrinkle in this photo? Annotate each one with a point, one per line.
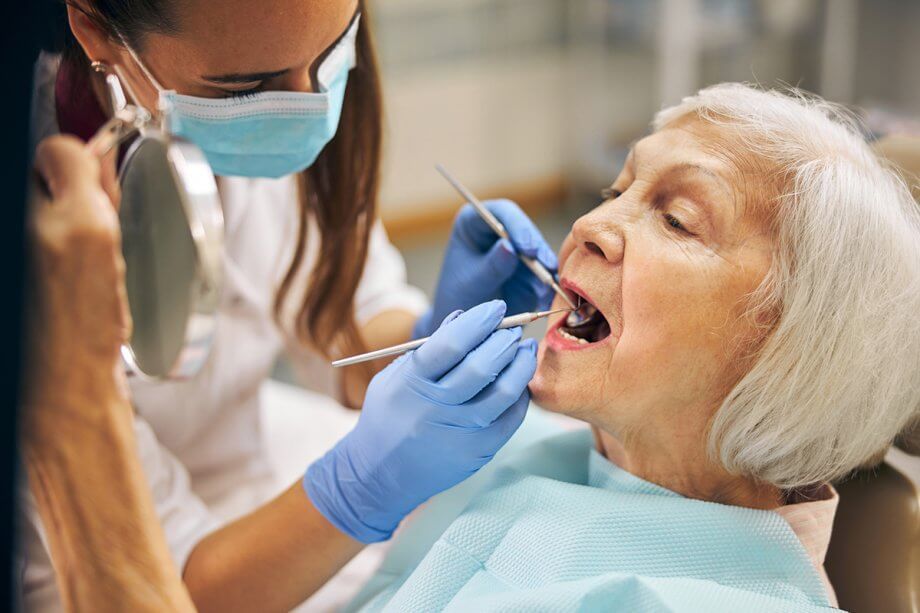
(680, 167)
(759, 185)
(750, 197)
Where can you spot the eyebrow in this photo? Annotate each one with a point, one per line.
(690, 167)
(632, 161)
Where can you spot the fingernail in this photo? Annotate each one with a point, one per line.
(507, 246)
(453, 316)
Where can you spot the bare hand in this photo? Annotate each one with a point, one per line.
(78, 312)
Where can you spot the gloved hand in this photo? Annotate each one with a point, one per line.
(431, 419)
(479, 267)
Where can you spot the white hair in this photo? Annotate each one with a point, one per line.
(838, 376)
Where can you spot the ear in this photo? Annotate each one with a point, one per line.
(96, 42)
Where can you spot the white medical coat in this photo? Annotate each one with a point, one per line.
(199, 440)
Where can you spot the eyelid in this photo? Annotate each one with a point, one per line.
(243, 92)
(669, 217)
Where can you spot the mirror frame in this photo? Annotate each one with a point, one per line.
(200, 202)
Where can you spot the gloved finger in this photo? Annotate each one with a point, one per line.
(524, 234)
(501, 262)
(450, 317)
(424, 323)
(472, 230)
(507, 388)
(524, 292)
(480, 367)
(503, 428)
(451, 342)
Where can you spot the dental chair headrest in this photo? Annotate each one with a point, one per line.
(909, 439)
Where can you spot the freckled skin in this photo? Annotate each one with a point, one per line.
(675, 303)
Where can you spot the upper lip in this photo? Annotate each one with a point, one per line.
(573, 287)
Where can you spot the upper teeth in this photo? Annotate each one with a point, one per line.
(580, 341)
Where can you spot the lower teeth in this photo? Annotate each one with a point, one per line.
(580, 341)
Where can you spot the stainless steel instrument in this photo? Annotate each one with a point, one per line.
(508, 322)
(533, 264)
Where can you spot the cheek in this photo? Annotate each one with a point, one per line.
(677, 313)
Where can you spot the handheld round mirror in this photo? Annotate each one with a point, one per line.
(172, 233)
(172, 236)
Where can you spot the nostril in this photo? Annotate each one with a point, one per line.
(594, 248)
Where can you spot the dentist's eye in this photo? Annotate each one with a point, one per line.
(242, 93)
(608, 193)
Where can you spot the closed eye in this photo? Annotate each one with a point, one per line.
(676, 224)
(241, 93)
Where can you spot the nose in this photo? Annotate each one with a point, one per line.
(598, 233)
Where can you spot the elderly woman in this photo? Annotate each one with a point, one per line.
(750, 334)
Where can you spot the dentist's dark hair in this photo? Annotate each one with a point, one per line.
(339, 191)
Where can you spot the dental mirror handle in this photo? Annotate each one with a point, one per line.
(508, 322)
(492, 221)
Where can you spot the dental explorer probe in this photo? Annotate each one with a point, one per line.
(492, 221)
(508, 322)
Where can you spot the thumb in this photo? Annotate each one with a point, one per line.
(64, 163)
(501, 262)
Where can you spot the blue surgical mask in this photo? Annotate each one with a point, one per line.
(266, 134)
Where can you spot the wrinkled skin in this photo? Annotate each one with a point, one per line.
(670, 259)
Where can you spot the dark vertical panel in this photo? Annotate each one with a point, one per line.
(27, 26)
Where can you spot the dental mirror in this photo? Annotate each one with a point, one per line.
(580, 316)
(172, 238)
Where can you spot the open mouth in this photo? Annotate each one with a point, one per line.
(585, 326)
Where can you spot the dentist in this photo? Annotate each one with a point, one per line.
(283, 98)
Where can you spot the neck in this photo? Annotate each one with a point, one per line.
(680, 464)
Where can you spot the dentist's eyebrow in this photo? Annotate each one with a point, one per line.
(248, 77)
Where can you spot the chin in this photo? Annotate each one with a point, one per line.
(571, 361)
(550, 388)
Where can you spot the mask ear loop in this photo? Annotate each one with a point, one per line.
(140, 64)
(162, 106)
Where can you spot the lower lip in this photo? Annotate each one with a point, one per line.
(555, 340)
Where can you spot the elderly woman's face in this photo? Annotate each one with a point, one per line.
(669, 259)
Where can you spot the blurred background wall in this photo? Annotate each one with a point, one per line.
(538, 100)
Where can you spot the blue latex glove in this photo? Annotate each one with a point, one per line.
(431, 419)
(479, 267)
